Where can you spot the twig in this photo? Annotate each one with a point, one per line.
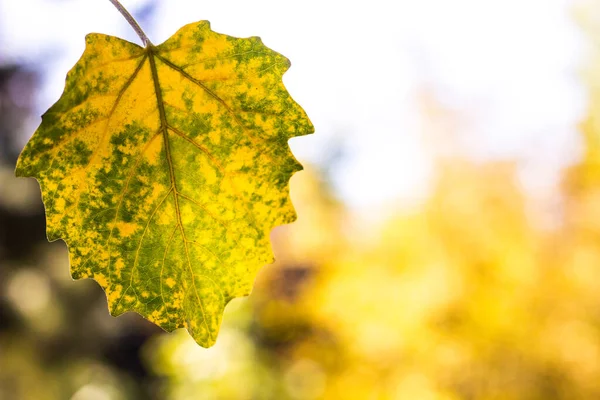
(136, 27)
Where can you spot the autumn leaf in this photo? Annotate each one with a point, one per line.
(164, 169)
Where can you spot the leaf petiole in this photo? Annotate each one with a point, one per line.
(136, 27)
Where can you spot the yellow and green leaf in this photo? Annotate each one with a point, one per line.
(164, 169)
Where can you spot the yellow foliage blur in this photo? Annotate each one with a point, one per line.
(464, 299)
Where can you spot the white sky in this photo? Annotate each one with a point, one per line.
(509, 65)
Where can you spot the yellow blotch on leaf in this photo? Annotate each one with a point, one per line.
(170, 282)
(152, 153)
(126, 229)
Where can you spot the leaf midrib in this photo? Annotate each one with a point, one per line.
(151, 50)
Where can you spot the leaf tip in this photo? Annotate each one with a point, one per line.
(256, 39)
(24, 169)
(19, 170)
(204, 24)
(90, 38)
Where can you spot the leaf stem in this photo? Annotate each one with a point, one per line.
(136, 27)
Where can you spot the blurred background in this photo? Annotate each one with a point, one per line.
(448, 235)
